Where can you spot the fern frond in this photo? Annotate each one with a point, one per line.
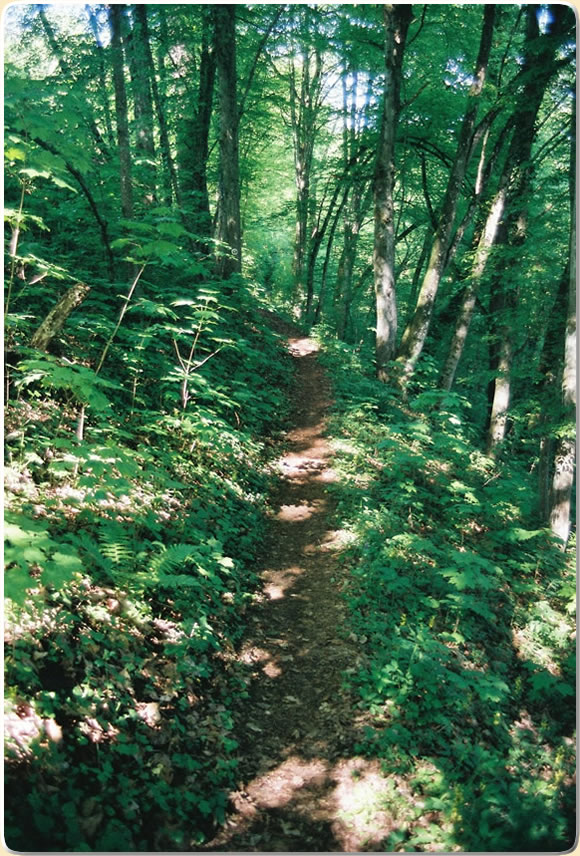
(115, 544)
(91, 549)
(171, 559)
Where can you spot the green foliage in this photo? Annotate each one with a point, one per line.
(468, 662)
(129, 557)
(81, 382)
(34, 560)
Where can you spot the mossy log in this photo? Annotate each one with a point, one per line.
(56, 318)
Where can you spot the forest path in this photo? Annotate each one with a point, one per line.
(302, 787)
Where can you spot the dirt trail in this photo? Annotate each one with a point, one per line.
(303, 788)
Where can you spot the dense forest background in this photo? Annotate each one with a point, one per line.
(400, 181)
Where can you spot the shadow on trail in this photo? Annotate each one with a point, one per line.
(447, 772)
(296, 742)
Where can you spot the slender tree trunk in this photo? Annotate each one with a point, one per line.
(317, 236)
(304, 104)
(351, 230)
(169, 177)
(540, 65)
(416, 331)
(486, 241)
(565, 458)
(355, 207)
(104, 89)
(419, 270)
(485, 237)
(115, 18)
(229, 220)
(502, 368)
(142, 100)
(549, 391)
(194, 141)
(396, 22)
(327, 255)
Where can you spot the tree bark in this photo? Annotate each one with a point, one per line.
(56, 318)
(104, 89)
(305, 103)
(194, 142)
(549, 391)
(327, 255)
(565, 458)
(486, 241)
(169, 176)
(397, 19)
(229, 260)
(142, 101)
(540, 64)
(318, 231)
(486, 235)
(356, 202)
(115, 18)
(416, 331)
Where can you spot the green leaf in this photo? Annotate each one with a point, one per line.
(515, 535)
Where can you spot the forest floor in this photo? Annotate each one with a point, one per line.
(302, 787)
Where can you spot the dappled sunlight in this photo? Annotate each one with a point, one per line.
(279, 786)
(296, 513)
(278, 582)
(255, 655)
(302, 347)
(352, 798)
(296, 739)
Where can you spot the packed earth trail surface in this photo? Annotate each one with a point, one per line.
(302, 787)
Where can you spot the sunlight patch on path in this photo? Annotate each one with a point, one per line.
(302, 788)
(278, 582)
(294, 513)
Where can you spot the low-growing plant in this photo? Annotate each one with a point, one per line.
(465, 673)
(129, 568)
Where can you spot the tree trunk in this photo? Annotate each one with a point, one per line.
(304, 103)
(502, 368)
(115, 18)
(486, 241)
(416, 331)
(142, 100)
(485, 237)
(169, 182)
(540, 65)
(549, 391)
(566, 452)
(104, 89)
(229, 260)
(194, 142)
(327, 254)
(396, 22)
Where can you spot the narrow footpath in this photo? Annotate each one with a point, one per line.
(302, 786)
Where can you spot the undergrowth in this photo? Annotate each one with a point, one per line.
(465, 612)
(129, 550)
